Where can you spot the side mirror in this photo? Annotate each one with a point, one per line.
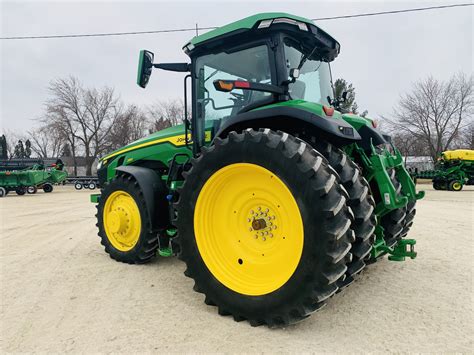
(145, 66)
(344, 95)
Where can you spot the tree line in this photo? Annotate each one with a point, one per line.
(89, 122)
(77, 121)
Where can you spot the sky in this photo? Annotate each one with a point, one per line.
(381, 55)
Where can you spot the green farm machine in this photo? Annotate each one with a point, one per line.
(453, 170)
(273, 198)
(28, 180)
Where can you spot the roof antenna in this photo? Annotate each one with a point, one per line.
(197, 30)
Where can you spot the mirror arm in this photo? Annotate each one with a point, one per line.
(177, 67)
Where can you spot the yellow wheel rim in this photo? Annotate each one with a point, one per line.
(122, 221)
(457, 186)
(248, 229)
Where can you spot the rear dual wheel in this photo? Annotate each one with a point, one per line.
(361, 203)
(393, 222)
(264, 227)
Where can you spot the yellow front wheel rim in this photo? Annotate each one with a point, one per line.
(457, 186)
(248, 229)
(122, 221)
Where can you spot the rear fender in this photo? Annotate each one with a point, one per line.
(293, 121)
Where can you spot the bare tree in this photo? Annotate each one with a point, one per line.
(435, 112)
(46, 141)
(85, 116)
(408, 144)
(164, 114)
(131, 124)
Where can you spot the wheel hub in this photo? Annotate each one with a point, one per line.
(117, 221)
(122, 220)
(262, 222)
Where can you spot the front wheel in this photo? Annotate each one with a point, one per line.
(78, 186)
(264, 227)
(123, 222)
(3, 192)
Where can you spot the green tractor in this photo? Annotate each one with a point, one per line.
(272, 198)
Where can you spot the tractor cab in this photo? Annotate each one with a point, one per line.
(253, 63)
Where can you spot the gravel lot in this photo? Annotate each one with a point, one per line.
(61, 293)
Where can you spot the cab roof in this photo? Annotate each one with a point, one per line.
(264, 22)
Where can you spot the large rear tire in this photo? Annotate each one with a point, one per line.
(123, 222)
(280, 266)
(360, 201)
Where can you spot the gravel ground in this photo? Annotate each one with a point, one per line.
(61, 293)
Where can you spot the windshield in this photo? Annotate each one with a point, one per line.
(251, 64)
(314, 82)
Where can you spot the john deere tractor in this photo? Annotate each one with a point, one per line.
(274, 199)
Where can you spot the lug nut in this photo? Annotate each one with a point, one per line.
(267, 210)
(252, 212)
(264, 239)
(271, 235)
(250, 229)
(260, 208)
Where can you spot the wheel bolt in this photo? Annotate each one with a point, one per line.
(264, 239)
(267, 210)
(250, 229)
(274, 227)
(271, 235)
(260, 208)
(252, 212)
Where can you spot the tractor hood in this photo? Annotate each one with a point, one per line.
(174, 135)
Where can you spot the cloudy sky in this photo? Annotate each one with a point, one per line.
(381, 55)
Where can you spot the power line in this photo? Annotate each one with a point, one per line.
(109, 34)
